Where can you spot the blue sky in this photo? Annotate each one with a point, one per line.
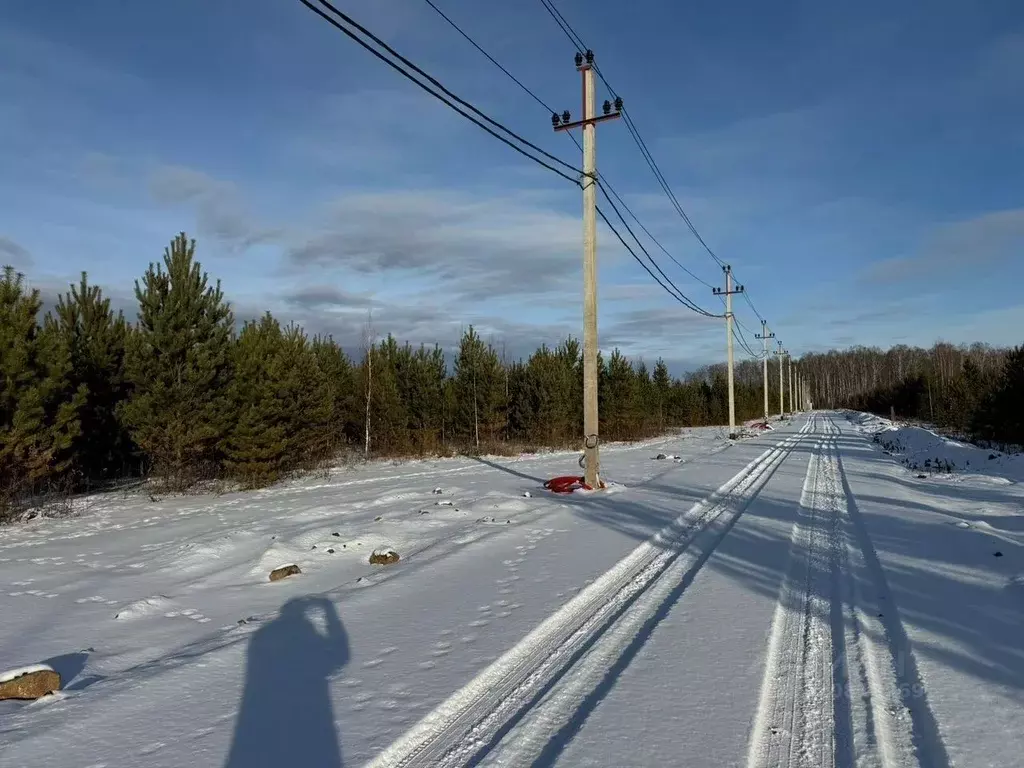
(859, 165)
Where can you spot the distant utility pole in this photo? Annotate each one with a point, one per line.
(728, 293)
(791, 406)
(764, 336)
(585, 65)
(781, 353)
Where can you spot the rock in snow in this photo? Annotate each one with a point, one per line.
(29, 682)
(384, 556)
(284, 572)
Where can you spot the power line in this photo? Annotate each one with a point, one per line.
(753, 308)
(490, 58)
(351, 22)
(743, 340)
(685, 300)
(641, 263)
(634, 132)
(498, 64)
(578, 43)
(566, 28)
(334, 22)
(549, 109)
(603, 181)
(653, 238)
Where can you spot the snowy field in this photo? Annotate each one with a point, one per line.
(838, 591)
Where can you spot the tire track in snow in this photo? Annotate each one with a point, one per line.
(905, 730)
(546, 728)
(795, 723)
(475, 718)
(841, 686)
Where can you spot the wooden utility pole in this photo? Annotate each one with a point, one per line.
(764, 336)
(791, 407)
(781, 353)
(585, 66)
(728, 293)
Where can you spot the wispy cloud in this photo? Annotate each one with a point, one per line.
(470, 247)
(664, 332)
(220, 212)
(949, 249)
(13, 254)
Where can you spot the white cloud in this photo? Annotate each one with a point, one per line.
(984, 240)
(471, 247)
(220, 211)
(13, 254)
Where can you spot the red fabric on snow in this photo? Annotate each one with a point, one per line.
(566, 484)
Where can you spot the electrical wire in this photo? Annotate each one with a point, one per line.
(549, 109)
(739, 328)
(653, 238)
(753, 308)
(744, 342)
(580, 46)
(351, 22)
(490, 58)
(640, 261)
(564, 26)
(496, 63)
(680, 296)
(347, 19)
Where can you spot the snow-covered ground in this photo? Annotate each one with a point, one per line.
(797, 598)
(926, 451)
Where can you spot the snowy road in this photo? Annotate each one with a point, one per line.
(799, 599)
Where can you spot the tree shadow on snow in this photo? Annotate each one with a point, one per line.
(507, 469)
(286, 717)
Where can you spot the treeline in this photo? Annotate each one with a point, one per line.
(88, 398)
(976, 391)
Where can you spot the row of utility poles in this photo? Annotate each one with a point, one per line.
(797, 392)
(589, 182)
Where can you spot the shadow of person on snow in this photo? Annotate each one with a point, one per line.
(286, 716)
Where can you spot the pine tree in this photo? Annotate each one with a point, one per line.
(646, 414)
(479, 389)
(387, 409)
(1000, 417)
(255, 449)
(39, 405)
(308, 400)
(178, 365)
(96, 338)
(420, 377)
(283, 403)
(619, 406)
(662, 386)
(340, 374)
